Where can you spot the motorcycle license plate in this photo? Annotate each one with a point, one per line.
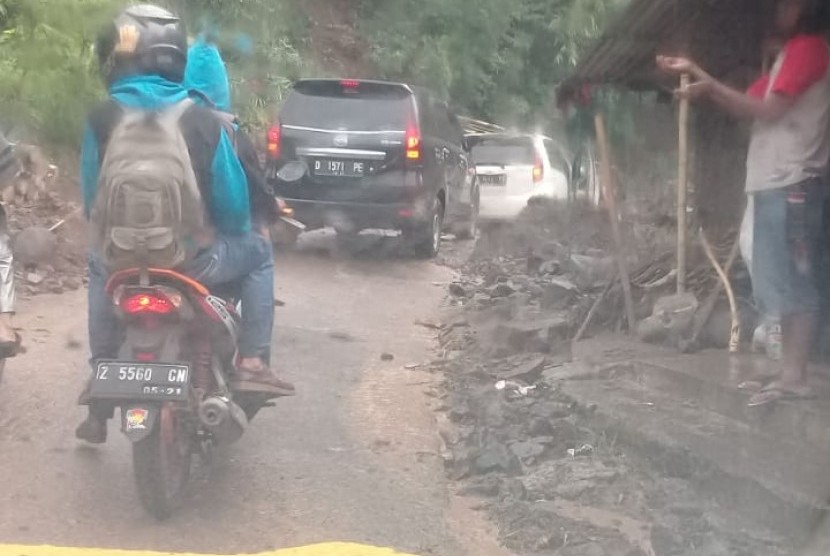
(130, 380)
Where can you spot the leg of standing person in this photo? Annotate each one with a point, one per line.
(104, 336)
(787, 233)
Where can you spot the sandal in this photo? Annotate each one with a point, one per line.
(775, 391)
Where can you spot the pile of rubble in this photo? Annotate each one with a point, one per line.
(49, 259)
(552, 478)
(46, 231)
(555, 481)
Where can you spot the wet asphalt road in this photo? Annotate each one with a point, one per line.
(353, 457)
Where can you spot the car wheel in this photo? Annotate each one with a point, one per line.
(469, 228)
(427, 238)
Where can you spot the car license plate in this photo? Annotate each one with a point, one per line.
(339, 168)
(498, 179)
(130, 380)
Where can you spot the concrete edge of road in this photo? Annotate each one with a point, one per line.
(323, 549)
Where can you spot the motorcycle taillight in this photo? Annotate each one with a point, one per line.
(148, 303)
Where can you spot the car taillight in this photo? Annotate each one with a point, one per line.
(274, 136)
(147, 303)
(413, 144)
(349, 83)
(538, 170)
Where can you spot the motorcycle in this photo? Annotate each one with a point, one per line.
(170, 379)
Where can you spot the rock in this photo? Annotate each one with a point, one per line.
(536, 334)
(35, 245)
(73, 283)
(672, 318)
(503, 289)
(387, 357)
(550, 268)
(651, 330)
(527, 450)
(593, 269)
(552, 409)
(34, 278)
(567, 478)
(457, 290)
(540, 427)
(527, 371)
(513, 489)
(496, 457)
(484, 487)
(559, 294)
(534, 263)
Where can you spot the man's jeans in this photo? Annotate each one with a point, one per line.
(244, 260)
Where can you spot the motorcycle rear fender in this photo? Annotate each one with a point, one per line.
(139, 420)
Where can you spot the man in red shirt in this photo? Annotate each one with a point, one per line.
(786, 169)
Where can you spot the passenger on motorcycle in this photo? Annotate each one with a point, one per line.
(206, 79)
(143, 56)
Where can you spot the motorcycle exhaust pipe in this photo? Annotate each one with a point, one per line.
(224, 419)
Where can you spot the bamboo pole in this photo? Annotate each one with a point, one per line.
(610, 194)
(682, 183)
(723, 274)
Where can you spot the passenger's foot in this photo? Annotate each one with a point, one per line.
(252, 375)
(92, 430)
(780, 390)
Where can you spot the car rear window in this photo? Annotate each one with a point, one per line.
(504, 152)
(359, 107)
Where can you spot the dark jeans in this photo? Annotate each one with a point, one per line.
(244, 260)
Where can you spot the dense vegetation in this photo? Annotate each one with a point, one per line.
(495, 59)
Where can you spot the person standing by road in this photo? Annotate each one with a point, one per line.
(786, 170)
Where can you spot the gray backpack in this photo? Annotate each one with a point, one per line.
(148, 211)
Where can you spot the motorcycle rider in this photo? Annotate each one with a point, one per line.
(143, 56)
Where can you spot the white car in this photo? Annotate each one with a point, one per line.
(514, 168)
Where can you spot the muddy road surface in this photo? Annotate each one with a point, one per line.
(353, 457)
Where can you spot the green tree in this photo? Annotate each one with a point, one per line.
(47, 64)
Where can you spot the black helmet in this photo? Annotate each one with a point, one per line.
(143, 40)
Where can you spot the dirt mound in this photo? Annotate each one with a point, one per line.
(67, 270)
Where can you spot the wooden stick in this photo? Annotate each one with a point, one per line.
(682, 183)
(593, 309)
(611, 202)
(63, 221)
(735, 333)
(709, 305)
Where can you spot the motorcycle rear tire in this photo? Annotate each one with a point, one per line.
(161, 465)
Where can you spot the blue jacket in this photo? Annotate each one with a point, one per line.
(218, 170)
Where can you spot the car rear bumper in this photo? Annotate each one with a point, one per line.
(358, 216)
(502, 207)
